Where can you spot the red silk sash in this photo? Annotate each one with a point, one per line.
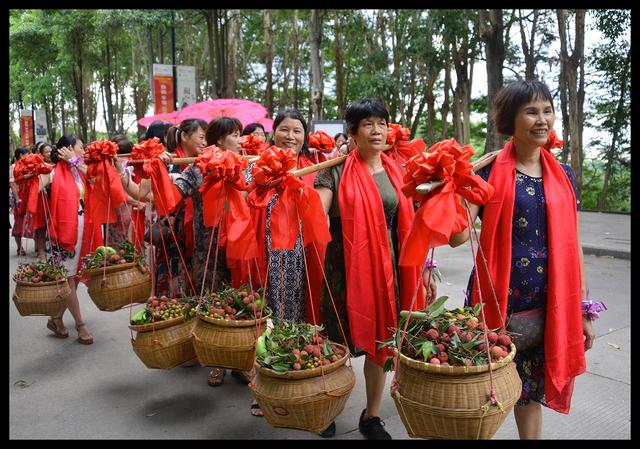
(563, 339)
(64, 208)
(369, 271)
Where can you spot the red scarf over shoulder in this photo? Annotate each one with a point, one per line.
(63, 204)
(563, 338)
(371, 302)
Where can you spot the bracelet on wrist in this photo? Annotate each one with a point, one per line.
(592, 308)
(74, 161)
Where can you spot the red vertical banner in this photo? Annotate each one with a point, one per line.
(163, 88)
(26, 128)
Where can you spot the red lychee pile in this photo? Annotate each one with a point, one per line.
(37, 272)
(233, 304)
(296, 347)
(450, 337)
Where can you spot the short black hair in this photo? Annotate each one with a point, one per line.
(251, 127)
(362, 109)
(221, 127)
(158, 129)
(173, 137)
(66, 140)
(511, 98)
(295, 115)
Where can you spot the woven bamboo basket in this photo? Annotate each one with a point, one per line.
(124, 284)
(42, 298)
(227, 344)
(305, 399)
(453, 402)
(165, 344)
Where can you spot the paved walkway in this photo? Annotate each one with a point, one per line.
(606, 234)
(59, 389)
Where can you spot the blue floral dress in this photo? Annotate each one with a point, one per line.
(528, 282)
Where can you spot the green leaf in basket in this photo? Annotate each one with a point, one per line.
(437, 308)
(427, 349)
(455, 341)
(280, 367)
(326, 349)
(388, 365)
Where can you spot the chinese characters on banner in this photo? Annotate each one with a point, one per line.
(40, 125)
(26, 127)
(163, 88)
(186, 75)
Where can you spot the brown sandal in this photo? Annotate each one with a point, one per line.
(51, 325)
(216, 377)
(86, 340)
(243, 376)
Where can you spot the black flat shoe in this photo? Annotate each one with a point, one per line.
(329, 431)
(373, 428)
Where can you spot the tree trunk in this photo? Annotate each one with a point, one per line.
(268, 58)
(528, 49)
(234, 33)
(444, 109)
(337, 52)
(296, 59)
(574, 86)
(317, 85)
(619, 117)
(209, 15)
(491, 32)
(77, 74)
(430, 99)
(106, 83)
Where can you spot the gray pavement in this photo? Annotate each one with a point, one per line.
(59, 389)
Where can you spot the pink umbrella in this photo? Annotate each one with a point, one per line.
(267, 123)
(244, 110)
(168, 117)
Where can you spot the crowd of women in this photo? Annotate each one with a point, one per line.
(529, 236)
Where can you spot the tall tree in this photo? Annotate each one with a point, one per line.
(491, 29)
(339, 61)
(317, 77)
(573, 68)
(268, 58)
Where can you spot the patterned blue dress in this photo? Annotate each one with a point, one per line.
(528, 282)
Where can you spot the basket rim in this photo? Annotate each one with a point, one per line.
(36, 284)
(455, 370)
(232, 323)
(108, 269)
(156, 324)
(307, 373)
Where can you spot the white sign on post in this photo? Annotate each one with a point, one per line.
(186, 94)
(40, 125)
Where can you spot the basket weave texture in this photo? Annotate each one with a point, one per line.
(43, 298)
(227, 344)
(454, 402)
(165, 344)
(125, 284)
(306, 399)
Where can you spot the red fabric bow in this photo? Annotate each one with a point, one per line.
(322, 141)
(296, 200)
(401, 148)
(29, 188)
(106, 191)
(154, 168)
(440, 213)
(221, 192)
(252, 145)
(553, 141)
